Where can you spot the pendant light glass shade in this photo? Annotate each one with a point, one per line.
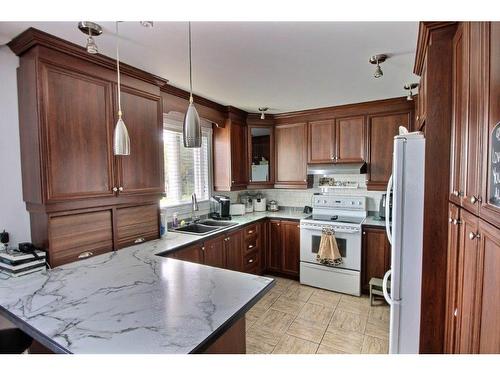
(191, 129)
(121, 140)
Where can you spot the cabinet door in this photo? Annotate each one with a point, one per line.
(460, 112)
(321, 143)
(273, 261)
(490, 207)
(192, 254)
(142, 170)
(291, 155)
(376, 255)
(467, 268)
(451, 278)
(233, 244)
(350, 139)
(290, 247)
(77, 120)
(471, 173)
(79, 236)
(137, 224)
(214, 252)
(239, 172)
(381, 132)
(487, 323)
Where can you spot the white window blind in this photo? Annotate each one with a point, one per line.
(186, 169)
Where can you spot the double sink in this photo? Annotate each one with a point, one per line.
(205, 226)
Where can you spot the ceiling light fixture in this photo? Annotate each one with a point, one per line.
(191, 129)
(262, 111)
(409, 87)
(90, 29)
(377, 60)
(121, 140)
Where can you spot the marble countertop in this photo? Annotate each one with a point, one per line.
(129, 301)
(374, 221)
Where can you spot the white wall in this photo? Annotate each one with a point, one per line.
(13, 215)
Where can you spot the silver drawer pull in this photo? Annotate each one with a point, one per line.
(85, 254)
(250, 231)
(250, 246)
(139, 240)
(250, 261)
(473, 236)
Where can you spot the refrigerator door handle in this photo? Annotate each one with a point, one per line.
(387, 296)
(388, 210)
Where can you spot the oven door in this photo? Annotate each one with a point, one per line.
(348, 242)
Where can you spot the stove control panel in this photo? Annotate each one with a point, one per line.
(339, 202)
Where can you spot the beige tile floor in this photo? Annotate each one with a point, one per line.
(298, 319)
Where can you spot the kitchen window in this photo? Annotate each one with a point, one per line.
(187, 170)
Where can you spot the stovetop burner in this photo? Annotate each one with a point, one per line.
(336, 218)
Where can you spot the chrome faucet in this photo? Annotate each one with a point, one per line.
(194, 208)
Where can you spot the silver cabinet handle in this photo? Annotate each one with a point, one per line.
(85, 254)
(474, 199)
(232, 181)
(456, 222)
(450, 220)
(120, 188)
(333, 157)
(139, 240)
(473, 236)
(250, 261)
(250, 231)
(115, 189)
(226, 239)
(455, 193)
(203, 248)
(250, 246)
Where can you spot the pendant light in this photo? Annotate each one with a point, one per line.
(90, 29)
(262, 111)
(121, 140)
(191, 129)
(377, 60)
(410, 87)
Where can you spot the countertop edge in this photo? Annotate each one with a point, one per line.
(201, 347)
(33, 333)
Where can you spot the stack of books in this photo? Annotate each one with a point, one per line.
(16, 263)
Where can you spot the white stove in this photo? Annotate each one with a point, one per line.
(343, 215)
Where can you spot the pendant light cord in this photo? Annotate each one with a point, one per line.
(118, 70)
(190, 68)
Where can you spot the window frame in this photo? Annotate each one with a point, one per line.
(175, 124)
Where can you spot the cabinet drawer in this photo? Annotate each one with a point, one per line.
(251, 244)
(136, 224)
(251, 260)
(78, 236)
(251, 231)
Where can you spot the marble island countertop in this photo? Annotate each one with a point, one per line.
(129, 301)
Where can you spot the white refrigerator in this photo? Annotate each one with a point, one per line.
(405, 236)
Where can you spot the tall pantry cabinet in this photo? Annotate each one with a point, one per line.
(82, 199)
(473, 282)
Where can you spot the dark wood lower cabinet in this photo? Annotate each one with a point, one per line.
(136, 224)
(376, 255)
(283, 254)
(213, 252)
(233, 247)
(192, 254)
(473, 289)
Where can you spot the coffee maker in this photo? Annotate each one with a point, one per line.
(219, 207)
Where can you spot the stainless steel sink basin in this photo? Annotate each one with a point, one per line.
(205, 227)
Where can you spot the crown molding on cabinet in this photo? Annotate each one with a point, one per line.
(33, 37)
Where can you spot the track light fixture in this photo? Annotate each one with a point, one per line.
(377, 60)
(410, 87)
(262, 111)
(90, 29)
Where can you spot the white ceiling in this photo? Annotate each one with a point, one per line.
(285, 66)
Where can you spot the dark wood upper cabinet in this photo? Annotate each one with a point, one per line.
(230, 155)
(77, 119)
(381, 131)
(490, 124)
(350, 139)
(142, 170)
(376, 255)
(290, 247)
(260, 148)
(321, 145)
(136, 224)
(291, 155)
